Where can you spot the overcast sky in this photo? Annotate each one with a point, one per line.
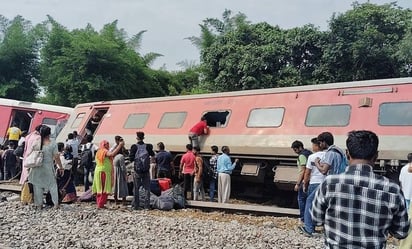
(168, 22)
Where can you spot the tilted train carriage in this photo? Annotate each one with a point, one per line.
(260, 125)
(28, 115)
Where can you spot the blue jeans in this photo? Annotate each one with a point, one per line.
(301, 201)
(212, 188)
(309, 226)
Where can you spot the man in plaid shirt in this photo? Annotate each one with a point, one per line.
(358, 207)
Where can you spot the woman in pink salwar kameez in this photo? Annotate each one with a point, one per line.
(32, 138)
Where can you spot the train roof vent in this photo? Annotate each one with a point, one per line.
(368, 91)
(365, 102)
(24, 103)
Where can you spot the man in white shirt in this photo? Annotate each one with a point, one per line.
(312, 179)
(405, 178)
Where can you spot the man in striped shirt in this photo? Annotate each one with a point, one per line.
(358, 207)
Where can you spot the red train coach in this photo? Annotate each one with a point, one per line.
(28, 115)
(260, 125)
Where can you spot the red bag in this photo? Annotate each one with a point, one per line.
(165, 183)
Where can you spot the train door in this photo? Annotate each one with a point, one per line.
(22, 118)
(94, 120)
(86, 122)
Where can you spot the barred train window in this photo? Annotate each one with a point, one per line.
(78, 120)
(266, 117)
(395, 114)
(172, 120)
(136, 121)
(328, 115)
(217, 118)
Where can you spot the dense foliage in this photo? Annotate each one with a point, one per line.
(51, 64)
(368, 42)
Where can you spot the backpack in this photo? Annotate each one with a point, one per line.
(86, 157)
(141, 160)
(9, 158)
(19, 150)
(344, 163)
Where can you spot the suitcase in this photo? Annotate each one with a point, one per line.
(165, 183)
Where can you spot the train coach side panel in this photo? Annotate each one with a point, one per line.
(236, 132)
(5, 113)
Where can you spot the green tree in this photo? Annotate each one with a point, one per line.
(364, 41)
(19, 43)
(404, 54)
(238, 55)
(85, 65)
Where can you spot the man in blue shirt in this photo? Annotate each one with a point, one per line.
(224, 168)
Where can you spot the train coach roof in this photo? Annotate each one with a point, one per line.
(35, 106)
(328, 86)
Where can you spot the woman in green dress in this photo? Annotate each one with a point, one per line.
(103, 173)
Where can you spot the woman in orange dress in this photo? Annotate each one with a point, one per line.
(103, 173)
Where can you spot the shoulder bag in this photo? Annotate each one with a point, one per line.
(35, 158)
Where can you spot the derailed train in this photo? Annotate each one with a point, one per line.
(260, 125)
(28, 115)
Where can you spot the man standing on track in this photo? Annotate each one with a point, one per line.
(303, 154)
(224, 168)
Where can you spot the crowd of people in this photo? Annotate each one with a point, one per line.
(356, 207)
(336, 189)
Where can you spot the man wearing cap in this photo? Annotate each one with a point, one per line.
(141, 179)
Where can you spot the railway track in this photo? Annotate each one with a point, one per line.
(241, 208)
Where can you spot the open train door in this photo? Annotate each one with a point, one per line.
(95, 119)
(83, 120)
(22, 118)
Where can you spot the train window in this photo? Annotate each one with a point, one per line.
(391, 114)
(266, 117)
(78, 120)
(217, 118)
(136, 121)
(172, 120)
(52, 123)
(328, 115)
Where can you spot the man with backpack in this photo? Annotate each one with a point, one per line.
(141, 153)
(335, 161)
(9, 162)
(303, 154)
(87, 161)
